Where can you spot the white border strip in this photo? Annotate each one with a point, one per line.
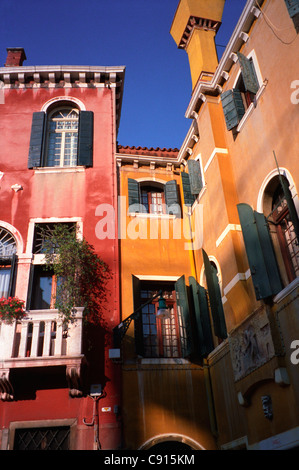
(216, 150)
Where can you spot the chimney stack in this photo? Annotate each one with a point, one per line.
(15, 57)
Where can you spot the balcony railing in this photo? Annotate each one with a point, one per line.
(41, 340)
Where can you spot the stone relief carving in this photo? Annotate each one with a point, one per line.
(251, 344)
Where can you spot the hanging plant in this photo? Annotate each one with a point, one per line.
(80, 273)
(11, 309)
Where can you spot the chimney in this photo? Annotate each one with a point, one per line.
(15, 57)
(194, 27)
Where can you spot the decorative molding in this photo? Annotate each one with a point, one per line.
(229, 228)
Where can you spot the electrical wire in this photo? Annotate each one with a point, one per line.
(273, 27)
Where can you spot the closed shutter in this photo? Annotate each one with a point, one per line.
(85, 139)
(215, 298)
(293, 7)
(233, 107)
(134, 195)
(30, 287)
(189, 198)
(12, 280)
(36, 140)
(138, 330)
(248, 74)
(186, 337)
(195, 176)
(172, 198)
(260, 252)
(201, 310)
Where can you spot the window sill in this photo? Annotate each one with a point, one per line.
(144, 215)
(287, 291)
(60, 169)
(252, 106)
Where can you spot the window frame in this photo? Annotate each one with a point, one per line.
(62, 132)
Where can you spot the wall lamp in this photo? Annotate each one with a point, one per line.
(120, 330)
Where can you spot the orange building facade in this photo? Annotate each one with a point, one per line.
(234, 272)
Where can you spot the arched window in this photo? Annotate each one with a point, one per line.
(280, 211)
(7, 262)
(152, 198)
(62, 137)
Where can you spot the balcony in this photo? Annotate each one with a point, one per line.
(41, 340)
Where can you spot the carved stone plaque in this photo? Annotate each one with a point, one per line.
(251, 344)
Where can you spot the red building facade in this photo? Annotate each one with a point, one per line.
(58, 128)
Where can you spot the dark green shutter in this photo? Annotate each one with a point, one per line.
(291, 206)
(12, 279)
(260, 252)
(36, 140)
(138, 330)
(134, 195)
(85, 139)
(233, 107)
(195, 176)
(201, 310)
(172, 198)
(215, 298)
(187, 343)
(248, 74)
(293, 7)
(189, 198)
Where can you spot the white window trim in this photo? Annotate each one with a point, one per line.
(65, 99)
(16, 234)
(262, 84)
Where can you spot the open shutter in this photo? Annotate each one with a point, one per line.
(187, 343)
(85, 139)
(189, 198)
(233, 107)
(195, 176)
(293, 7)
(260, 252)
(12, 279)
(215, 298)
(248, 73)
(36, 140)
(138, 330)
(172, 198)
(201, 309)
(134, 195)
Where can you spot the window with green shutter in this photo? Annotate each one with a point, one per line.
(202, 316)
(260, 253)
(61, 138)
(153, 198)
(8, 263)
(162, 337)
(215, 298)
(235, 102)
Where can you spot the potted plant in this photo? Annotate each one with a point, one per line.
(11, 309)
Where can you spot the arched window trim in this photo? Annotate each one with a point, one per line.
(283, 172)
(67, 100)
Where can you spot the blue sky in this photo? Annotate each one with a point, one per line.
(131, 33)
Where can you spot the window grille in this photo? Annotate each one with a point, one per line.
(44, 438)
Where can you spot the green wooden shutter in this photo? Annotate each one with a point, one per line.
(30, 287)
(36, 140)
(187, 343)
(248, 73)
(134, 195)
(138, 330)
(201, 309)
(215, 298)
(85, 139)
(260, 252)
(12, 279)
(233, 107)
(172, 198)
(293, 7)
(195, 176)
(189, 198)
